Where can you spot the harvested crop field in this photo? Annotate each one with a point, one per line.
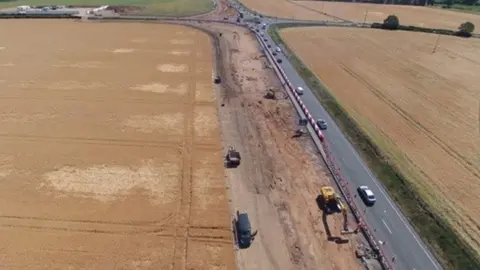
(334, 11)
(111, 153)
(285, 9)
(421, 107)
(408, 15)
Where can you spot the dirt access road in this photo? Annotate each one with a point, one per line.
(279, 177)
(421, 108)
(111, 154)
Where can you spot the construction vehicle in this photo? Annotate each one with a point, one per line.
(233, 157)
(303, 121)
(270, 94)
(330, 203)
(299, 132)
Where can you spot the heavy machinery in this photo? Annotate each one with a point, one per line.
(270, 94)
(330, 203)
(299, 133)
(233, 157)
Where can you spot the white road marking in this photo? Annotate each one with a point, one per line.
(386, 226)
(394, 209)
(392, 205)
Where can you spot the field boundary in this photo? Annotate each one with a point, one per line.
(450, 249)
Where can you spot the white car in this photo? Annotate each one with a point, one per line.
(278, 49)
(299, 90)
(367, 195)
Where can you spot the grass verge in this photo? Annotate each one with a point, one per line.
(459, 7)
(451, 251)
(149, 7)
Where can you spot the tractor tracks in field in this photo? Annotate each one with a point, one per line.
(183, 217)
(410, 119)
(319, 12)
(161, 228)
(167, 144)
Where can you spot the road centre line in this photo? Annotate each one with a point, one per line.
(386, 226)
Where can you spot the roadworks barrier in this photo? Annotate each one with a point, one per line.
(329, 159)
(326, 154)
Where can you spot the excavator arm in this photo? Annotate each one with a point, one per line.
(346, 229)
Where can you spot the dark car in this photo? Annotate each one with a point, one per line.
(367, 195)
(279, 60)
(244, 230)
(269, 46)
(322, 124)
(274, 53)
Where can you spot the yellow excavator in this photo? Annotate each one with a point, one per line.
(330, 203)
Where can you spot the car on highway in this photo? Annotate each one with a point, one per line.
(269, 46)
(274, 53)
(278, 49)
(367, 196)
(299, 90)
(279, 60)
(322, 124)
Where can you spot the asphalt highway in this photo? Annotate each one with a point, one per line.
(385, 218)
(389, 224)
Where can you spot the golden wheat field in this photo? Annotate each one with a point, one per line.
(111, 153)
(359, 12)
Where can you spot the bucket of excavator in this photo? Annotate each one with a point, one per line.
(347, 231)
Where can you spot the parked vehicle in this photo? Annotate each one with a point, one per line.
(233, 157)
(243, 228)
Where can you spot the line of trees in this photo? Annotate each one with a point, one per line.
(393, 23)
